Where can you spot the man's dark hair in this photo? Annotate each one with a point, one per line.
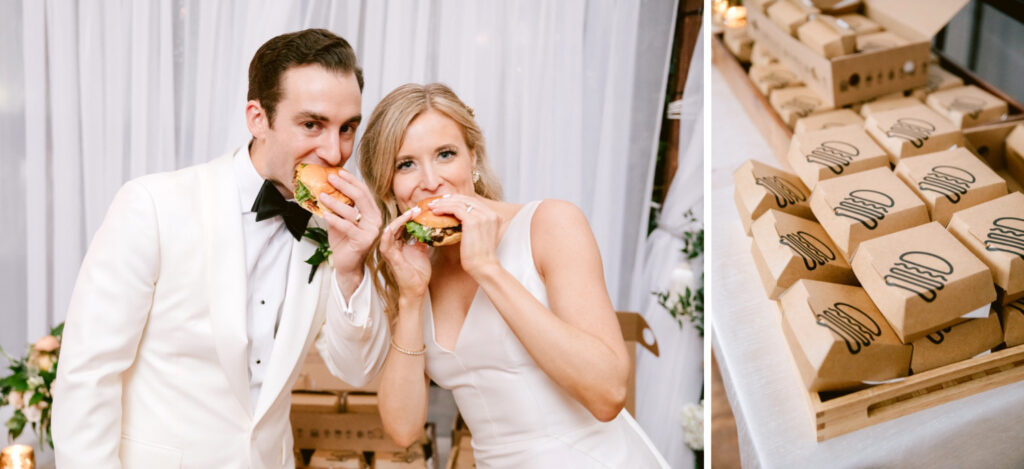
(276, 56)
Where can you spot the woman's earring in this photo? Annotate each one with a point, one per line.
(476, 175)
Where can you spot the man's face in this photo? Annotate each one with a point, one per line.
(315, 122)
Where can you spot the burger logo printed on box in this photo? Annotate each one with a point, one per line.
(938, 336)
(803, 106)
(785, 192)
(949, 181)
(971, 106)
(852, 324)
(920, 272)
(1006, 235)
(812, 250)
(834, 155)
(911, 129)
(866, 206)
(778, 79)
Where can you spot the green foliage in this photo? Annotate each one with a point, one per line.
(32, 386)
(688, 305)
(323, 249)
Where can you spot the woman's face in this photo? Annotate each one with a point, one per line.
(433, 160)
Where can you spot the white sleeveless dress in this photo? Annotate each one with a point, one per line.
(518, 416)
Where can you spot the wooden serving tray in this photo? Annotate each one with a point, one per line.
(856, 410)
(837, 414)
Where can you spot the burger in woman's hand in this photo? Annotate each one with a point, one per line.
(311, 181)
(432, 229)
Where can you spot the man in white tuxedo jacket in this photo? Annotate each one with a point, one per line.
(194, 307)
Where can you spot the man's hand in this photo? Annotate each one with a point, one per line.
(351, 230)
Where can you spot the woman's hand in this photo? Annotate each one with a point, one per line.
(409, 261)
(481, 231)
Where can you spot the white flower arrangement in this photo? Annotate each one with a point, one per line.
(692, 418)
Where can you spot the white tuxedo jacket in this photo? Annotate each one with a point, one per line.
(153, 368)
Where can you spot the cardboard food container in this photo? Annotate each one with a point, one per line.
(348, 432)
(956, 343)
(771, 77)
(828, 36)
(315, 376)
(790, 14)
(968, 106)
(1014, 153)
(796, 102)
(739, 42)
(838, 338)
(860, 24)
(862, 206)
(879, 41)
(911, 131)
(462, 455)
(1012, 318)
(888, 103)
(994, 232)
(316, 402)
(828, 119)
(413, 458)
(324, 459)
(360, 403)
(834, 152)
(857, 77)
(759, 55)
(938, 79)
(922, 279)
(788, 248)
(637, 334)
(950, 181)
(760, 187)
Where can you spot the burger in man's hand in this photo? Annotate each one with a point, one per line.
(433, 229)
(311, 181)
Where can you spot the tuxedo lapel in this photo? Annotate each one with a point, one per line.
(301, 302)
(225, 273)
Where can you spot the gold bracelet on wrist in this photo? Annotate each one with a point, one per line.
(407, 351)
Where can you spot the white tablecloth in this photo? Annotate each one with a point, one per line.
(774, 422)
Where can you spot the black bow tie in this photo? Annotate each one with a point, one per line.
(270, 203)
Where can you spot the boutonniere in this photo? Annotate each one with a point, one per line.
(323, 249)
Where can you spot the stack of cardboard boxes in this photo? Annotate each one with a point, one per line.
(912, 256)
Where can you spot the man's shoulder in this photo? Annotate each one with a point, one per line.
(187, 179)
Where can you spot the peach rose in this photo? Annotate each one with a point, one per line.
(43, 361)
(16, 399)
(47, 344)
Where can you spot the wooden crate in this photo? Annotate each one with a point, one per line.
(837, 414)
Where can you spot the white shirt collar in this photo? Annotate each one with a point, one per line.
(249, 181)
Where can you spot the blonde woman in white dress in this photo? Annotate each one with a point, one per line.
(515, 319)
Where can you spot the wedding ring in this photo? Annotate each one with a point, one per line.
(469, 208)
(359, 216)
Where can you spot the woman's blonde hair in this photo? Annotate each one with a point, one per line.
(379, 149)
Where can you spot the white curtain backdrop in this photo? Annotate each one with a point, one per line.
(95, 92)
(675, 377)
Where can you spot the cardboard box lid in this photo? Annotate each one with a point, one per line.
(923, 17)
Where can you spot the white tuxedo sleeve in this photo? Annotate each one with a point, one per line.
(108, 311)
(355, 337)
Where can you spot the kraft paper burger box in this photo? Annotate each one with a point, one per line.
(922, 279)
(862, 206)
(860, 24)
(834, 152)
(760, 187)
(316, 402)
(323, 459)
(938, 79)
(968, 106)
(857, 77)
(879, 41)
(956, 343)
(888, 103)
(315, 376)
(1014, 153)
(994, 232)
(950, 181)
(828, 119)
(772, 76)
(739, 42)
(828, 36)
(911, 130)
(789, 15)
(838, 338)
(413, 458)
(796, 102)
(788, 248)
(637, 334)
(1012, 317)
(759, 55)
(347, 432)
